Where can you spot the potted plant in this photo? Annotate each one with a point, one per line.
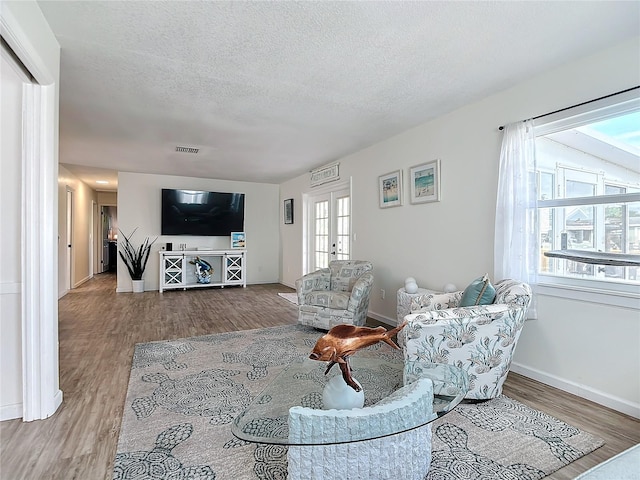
(135, 258)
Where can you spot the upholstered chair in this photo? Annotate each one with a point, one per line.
(481, 339)
(335, 295)
(405, 455)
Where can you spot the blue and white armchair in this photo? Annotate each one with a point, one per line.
(480, 339)
(335, 295)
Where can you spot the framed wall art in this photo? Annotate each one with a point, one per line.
(390, 189)
(424, 181)
(288, 211)
(238, 240)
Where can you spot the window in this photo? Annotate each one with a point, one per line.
(588, 179)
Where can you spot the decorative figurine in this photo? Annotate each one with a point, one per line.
(410, 285)
(204, 270)
(345, 340)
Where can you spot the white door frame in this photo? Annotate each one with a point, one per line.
(94, 207)
(41, 387)
(101, 235)
(40, 367)
(307, 229)
(69, 246)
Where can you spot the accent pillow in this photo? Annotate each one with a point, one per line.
(479, 292)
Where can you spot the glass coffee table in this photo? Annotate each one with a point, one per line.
(379, 370)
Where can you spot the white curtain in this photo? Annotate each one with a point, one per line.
(516, 246)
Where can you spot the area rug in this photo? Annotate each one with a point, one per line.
(291, 297)
(184, 394)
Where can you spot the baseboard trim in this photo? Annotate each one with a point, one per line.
(381, 318)
(597, 396)
(57, 401)
(10, 412)
(84, 280)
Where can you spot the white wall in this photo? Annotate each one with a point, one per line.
(452, 241)
(139, 201)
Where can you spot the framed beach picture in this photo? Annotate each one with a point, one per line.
(288, 211)
(425, 182)
(238, 240)
(390, 189)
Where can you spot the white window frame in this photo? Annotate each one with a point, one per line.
(608, 292)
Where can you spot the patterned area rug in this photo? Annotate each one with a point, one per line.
(183, 395)
(291, 297)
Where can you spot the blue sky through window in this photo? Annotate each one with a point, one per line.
(624, 129)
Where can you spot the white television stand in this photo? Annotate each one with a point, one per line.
(177, 273)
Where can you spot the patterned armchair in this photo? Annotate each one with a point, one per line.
(480, 339)
(335, 295)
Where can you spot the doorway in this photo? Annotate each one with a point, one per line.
(69, 239)
(108, 238)
(329, 228)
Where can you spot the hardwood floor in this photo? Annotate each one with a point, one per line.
(99, 328)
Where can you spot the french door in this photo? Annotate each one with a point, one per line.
(329, 228)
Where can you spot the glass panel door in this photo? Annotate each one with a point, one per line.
(321, 233)
(343, 226)
(329, 228)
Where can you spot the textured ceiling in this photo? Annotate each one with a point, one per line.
(270, 90)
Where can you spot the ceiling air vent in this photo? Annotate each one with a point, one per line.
(187, 149)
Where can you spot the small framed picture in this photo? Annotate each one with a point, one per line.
(424, 182)
(288, 211)
(390, 189)
(238, 240)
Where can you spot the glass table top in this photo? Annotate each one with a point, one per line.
(379, 371)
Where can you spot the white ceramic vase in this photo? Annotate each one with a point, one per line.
(337, 394)
(138, 286)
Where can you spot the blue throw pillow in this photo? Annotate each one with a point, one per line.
(480, 292)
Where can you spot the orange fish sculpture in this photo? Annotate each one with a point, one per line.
(345, 340)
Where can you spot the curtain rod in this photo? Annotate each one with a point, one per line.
(501, 127)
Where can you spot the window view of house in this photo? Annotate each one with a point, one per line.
(589, 195)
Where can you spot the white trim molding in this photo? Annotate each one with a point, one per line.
(10, 412)
(23, 47)
(325, 174)
(602, 398)
(41, 392)
(10, 288)
(381, 318)
(591, 291)
(83, 281)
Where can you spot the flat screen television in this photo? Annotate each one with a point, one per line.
(196, 212)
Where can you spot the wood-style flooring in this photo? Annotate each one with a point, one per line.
(98, 329)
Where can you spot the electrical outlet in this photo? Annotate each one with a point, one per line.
(382, 294)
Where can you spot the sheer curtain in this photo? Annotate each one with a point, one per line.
(516, 248)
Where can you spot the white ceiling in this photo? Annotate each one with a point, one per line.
(270, 90)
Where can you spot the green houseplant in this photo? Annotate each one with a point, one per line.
(135, 258)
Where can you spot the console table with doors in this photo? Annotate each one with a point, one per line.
(177, 271)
